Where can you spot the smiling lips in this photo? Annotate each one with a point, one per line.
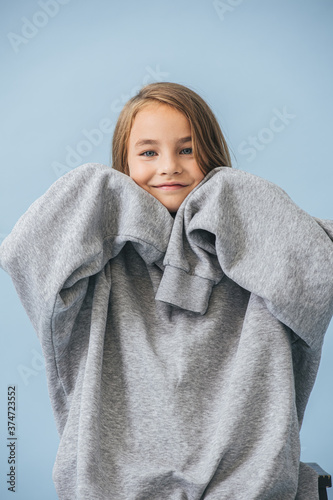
(172, 186)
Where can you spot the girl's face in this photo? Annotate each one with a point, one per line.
(160, 156)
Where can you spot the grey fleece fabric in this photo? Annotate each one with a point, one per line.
(180, 352)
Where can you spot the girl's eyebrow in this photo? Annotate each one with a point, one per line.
(142, 142)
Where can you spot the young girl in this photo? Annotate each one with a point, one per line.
(181, 307)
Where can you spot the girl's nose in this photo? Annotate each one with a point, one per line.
(170, 166)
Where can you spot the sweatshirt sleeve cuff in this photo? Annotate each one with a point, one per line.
(183, 290)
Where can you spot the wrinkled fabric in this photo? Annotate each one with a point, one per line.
(180, 352)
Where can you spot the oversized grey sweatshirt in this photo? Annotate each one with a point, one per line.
(180, 352)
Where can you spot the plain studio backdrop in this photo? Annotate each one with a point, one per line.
(68, 66)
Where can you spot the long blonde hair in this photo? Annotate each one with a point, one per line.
(209, 145)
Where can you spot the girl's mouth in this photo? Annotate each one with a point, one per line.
(170, 187)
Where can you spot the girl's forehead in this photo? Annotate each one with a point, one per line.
(157, 122)
(159, 112)
(153, 128)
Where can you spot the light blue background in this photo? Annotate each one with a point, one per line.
(249, 59)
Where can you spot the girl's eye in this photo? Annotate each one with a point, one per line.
(188, 151)
(144, 154)
(149, 154)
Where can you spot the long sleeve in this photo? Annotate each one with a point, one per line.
(262, 240)
(69, 233)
